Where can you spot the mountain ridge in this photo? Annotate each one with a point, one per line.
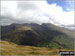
(45, 35)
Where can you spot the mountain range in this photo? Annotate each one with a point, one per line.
(44, 35)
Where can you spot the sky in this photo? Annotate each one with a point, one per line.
(67, 5)
(47, 11)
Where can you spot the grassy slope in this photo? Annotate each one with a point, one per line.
(8, 48)
(61, 29)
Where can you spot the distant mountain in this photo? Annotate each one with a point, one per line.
(45, 35)
(70, 27)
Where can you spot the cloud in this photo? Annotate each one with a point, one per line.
(66, 5)
(27, 5)
(34, 11)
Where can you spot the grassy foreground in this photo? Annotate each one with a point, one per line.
(8, 48)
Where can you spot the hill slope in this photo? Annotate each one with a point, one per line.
(45, 35)
(9, 48)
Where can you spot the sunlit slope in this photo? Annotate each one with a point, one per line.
(8, 48)
(61, 29)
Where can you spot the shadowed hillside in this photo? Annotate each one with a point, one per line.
(45, 35)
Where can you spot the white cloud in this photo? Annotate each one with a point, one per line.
(36, 11)
(8, 7)
(59, 15)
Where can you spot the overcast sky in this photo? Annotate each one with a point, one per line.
(47, 11)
